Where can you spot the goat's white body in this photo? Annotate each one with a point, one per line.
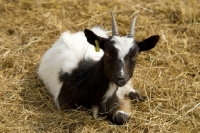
(65, 55)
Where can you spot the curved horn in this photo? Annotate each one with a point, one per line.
(131, 32)
(114, 26)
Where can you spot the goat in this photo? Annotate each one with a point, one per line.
(76, 75)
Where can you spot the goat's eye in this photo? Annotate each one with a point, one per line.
(107, 54)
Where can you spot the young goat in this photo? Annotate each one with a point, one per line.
(76, 75)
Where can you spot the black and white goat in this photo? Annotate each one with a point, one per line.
(76, 75)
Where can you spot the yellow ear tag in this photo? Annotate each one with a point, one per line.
(97, 48)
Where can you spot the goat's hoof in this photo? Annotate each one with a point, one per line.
(135, 96)
(120, 118)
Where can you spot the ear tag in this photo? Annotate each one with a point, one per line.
(97, 48)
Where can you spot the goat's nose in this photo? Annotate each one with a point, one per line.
(120, 77)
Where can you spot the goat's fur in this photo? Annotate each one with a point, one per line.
(76, 75)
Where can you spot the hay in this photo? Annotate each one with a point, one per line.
(168, 76)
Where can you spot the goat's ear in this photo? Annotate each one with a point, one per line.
(148, 43)
(92, 38)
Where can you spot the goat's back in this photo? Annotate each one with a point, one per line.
(65, 55)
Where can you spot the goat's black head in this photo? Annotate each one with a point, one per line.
(120, 52)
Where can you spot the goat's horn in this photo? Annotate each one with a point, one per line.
(114, 26)
(131, 32)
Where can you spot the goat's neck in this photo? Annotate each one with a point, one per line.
(99, 75)
(100, 80)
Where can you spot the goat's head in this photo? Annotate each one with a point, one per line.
(120, 52)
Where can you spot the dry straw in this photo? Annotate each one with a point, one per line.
(168, 76)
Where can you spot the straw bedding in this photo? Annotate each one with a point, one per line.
(168, 76)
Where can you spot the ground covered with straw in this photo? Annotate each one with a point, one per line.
(168, 76)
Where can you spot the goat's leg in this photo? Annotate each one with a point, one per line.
(128, 91)
(116, 109)
(95, 110)
(120, 117)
